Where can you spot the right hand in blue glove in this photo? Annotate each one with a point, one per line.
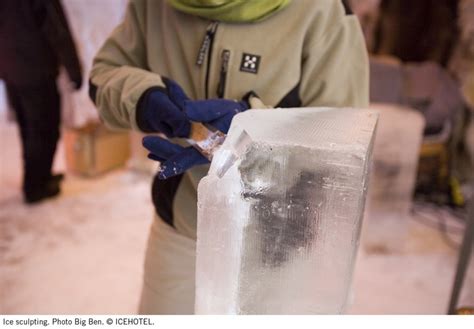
(162, 110)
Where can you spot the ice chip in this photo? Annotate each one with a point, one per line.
(278, 232)
(236, 145)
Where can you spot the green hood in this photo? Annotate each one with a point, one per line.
(231, 11)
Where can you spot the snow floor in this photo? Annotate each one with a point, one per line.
(82, 253)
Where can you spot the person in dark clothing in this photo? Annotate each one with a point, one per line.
(35, 41)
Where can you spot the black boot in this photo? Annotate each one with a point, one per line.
(49, 190)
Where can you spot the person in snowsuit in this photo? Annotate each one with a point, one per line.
(35, 41)
(176, 61)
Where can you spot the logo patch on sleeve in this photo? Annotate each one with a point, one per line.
(250, 63)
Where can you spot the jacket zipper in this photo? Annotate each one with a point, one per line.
(206, 48)
(225, 56)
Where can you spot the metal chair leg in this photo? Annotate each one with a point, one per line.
(464, 258)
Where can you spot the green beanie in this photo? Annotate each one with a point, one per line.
(231, 11)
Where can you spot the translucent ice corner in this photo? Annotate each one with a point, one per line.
(279, 231)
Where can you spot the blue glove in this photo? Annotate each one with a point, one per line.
(162, 110)
(216, 112)
(174, 158)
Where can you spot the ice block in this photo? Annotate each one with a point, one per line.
(279, 231)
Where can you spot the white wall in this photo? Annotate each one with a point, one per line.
(91, 23)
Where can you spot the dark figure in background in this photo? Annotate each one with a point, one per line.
(417, 31)
(34, 41)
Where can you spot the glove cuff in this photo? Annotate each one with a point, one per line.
(144, 110)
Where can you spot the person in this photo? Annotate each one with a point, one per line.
(173, 62)
(36, 40)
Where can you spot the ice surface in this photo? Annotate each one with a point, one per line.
(277, 234)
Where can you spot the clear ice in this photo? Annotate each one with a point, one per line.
(279, 231)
